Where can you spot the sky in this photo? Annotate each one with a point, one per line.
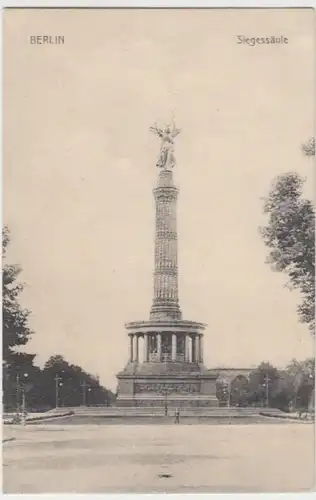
(79, 169)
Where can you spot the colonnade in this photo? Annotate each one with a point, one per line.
(193, 348)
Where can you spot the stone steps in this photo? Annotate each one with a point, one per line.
(160, 412)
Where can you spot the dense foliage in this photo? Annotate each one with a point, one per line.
(309, 147)
(288, 389)
(290, 236)
(16, 331)
(58, 384)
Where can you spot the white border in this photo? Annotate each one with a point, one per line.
(151, 4)
(158, 3)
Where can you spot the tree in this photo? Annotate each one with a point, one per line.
(20, 374)
(262, 385)
(302, 374)
(239, 389)
(309, 147)
(283, 392)
(57, 363)
(75, 387)
(290, 236)
(16, 331)
(222, 391)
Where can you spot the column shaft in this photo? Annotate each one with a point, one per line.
(201, 349)
(192, 350)
(145, 347)
(137, 351)
(166, 300)
(131, 354)
(197, 348)
(174, 347)
(159, 346)
(186, 348)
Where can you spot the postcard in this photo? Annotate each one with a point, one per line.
(158, 250)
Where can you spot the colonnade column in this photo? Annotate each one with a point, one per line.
(193, 351)
(145, 347)
(186, 348)
(201, 349)
(136, 353)
(197, 348)
(195, 354)
(159, 346)
(174, 347)
(131, 353)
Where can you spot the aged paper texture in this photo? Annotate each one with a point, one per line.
(158, 279)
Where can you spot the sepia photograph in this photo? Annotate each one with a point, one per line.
(158, 247)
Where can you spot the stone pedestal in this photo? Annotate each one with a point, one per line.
(190, 387)
(171, 374)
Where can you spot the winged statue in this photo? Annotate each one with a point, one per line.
(166, 159)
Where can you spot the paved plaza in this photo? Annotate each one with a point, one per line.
(158, 458)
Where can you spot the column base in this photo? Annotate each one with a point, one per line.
(165, 311)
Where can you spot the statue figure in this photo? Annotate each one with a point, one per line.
(166, 158)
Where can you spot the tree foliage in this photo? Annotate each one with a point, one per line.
(262, 383)
(239, 390)
(16, 331)
(75, 386)
(291, 388)
(222, 391)
(290, 236)
(58, 383)
(287, 389)
(302, 374)
(308, 147)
